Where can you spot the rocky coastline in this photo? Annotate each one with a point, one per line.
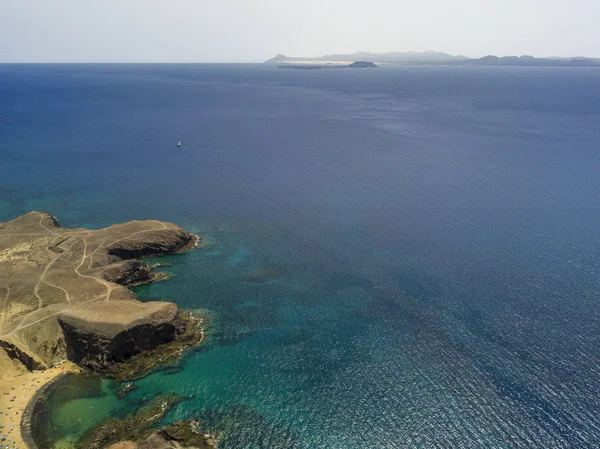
(29, 414)
(66, 297)
(137, 432)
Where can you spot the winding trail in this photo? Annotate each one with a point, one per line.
(5, 306)
(42, 262)
(41, 234)
(79, 304)
(42, 216)
(71, 302)
(67, 297)
(43, 277)
(106, 284)
(57, 257)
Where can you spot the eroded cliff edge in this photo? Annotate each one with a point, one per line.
(64, 292)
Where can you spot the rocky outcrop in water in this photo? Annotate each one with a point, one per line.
(150, 243)
(137, 432)
(128, 272)
(96, 337)
(189, 331)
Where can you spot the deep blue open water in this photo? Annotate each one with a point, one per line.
(396, 257)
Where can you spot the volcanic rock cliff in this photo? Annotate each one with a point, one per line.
(63, 291)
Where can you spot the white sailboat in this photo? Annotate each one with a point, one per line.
(179, 144)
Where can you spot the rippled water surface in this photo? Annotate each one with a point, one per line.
(397, 257)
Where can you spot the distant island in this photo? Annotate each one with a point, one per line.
(427, 58)
(354, 65)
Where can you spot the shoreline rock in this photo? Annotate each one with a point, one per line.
(64, 289)
(95, 339)
(190, 332)
(137, 432)
(65, 296)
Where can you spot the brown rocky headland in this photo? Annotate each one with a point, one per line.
(64, 296)
(64, 291)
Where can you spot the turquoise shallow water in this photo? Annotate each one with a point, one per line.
(394, 258)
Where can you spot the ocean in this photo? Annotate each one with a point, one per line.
(398, 257)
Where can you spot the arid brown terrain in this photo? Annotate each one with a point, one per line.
(64, 295)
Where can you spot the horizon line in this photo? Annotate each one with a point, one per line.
(260, 61)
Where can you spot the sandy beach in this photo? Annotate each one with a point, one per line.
(17, 387)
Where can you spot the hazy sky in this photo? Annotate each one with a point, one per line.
(255, 30)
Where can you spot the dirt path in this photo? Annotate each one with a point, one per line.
(42, 216)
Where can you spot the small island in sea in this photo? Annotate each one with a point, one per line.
(430, 58)
(354, 65)
(66, 307)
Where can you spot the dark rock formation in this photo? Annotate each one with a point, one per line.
(96, 337)
(127, 388)
(136, 432)
(17, 354)
(186, 434)
(79, 277)
(127, 272)
(189, 332)
(131, 428)
(151, 243)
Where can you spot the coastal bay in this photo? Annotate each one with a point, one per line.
(19, 388)
(66, 305)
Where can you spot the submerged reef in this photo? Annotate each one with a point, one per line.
(136, 431)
